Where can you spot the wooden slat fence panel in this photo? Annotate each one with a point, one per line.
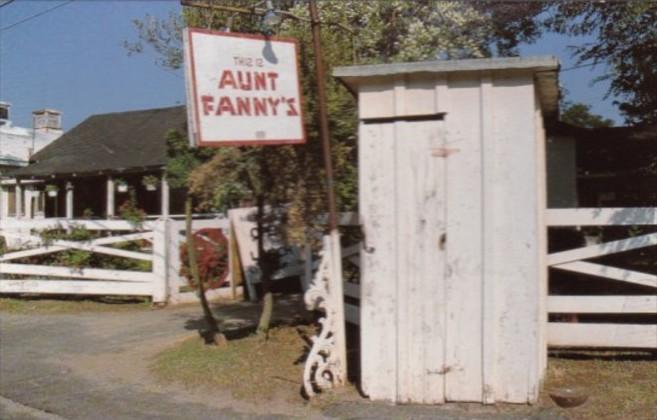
(48, 279)
(613, 335)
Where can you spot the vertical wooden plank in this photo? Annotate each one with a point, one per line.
(174, 280)
(463, 281)
(378, 268)
(160, 241)
(541, 187)
(489, 240)
(513, 224)
(336, 290)
(420, 203)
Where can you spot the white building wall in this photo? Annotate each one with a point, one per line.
(19, 143)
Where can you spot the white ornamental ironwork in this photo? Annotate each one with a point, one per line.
(326, 365)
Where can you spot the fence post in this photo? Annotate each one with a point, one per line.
(160, 258)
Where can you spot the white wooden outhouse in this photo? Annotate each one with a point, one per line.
(452, 196)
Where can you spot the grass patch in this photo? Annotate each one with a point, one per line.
(620, 385)
(249, 368)
(70, 305)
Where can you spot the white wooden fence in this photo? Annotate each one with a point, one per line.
(160, 239)
(575, 334)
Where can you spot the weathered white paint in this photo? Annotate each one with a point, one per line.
(543, 197)
(606, 248)
(378, 306)
(159, 259)
(603, 305)
(627, 216)
(464, 222)
(614, 273)
(110, 201)
(452, 271)
(571, 334)
(420, 224)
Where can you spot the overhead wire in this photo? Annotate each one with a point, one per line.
(6, 3)
(36, 15)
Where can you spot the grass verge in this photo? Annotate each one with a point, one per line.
(69, 305)
(249, 368)
(619, 385)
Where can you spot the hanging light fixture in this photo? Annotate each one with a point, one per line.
(270, 19)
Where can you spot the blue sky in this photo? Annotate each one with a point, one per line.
(72, 59)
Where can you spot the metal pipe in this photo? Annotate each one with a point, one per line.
(324, 132)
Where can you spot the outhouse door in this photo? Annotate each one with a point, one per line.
(402, 171)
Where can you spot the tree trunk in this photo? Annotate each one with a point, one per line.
(212, 334)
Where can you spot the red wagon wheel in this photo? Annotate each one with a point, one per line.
(212, 257)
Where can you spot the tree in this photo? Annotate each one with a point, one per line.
(579, 115)
(291, 176)
(182, 161)
(625, 41)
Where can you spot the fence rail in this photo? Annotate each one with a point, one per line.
(159, 240)
(623, 335)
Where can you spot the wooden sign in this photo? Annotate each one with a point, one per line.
(242, 89)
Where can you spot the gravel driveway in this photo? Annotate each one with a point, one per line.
(95, 366)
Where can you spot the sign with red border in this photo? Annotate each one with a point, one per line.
(242, 89)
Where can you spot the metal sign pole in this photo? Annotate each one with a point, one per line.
(323, 115)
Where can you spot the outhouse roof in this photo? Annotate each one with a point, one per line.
(545, 69)
(122, 141)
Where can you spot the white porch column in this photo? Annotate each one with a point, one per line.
(69, 200)
(19, 199)
(110, 197)
(28, 202)
(165, 196)
(4, 205)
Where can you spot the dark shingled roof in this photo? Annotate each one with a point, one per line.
(117, 142)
